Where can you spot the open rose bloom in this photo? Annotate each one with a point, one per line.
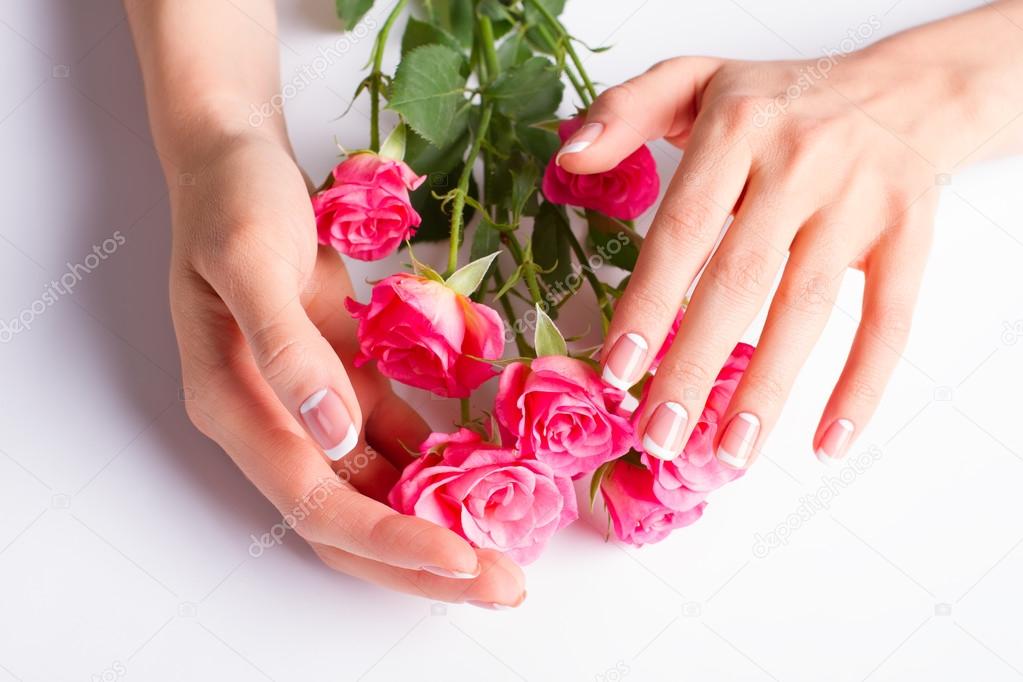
(624, 192)
(503, 480)
(366, 213)
(488, 493)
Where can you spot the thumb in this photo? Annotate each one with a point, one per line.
(293, 357)
(659, 103)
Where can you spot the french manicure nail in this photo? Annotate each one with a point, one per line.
(329, 423)
(625, 361)
(737, 444)
(835, 441)
(489, 605)
(663, 438)
(582, 139)
(447, 573)
(494, 606)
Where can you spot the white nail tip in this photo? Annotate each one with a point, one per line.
(629, 403)
(312, 401)
(613, 379)
(638, 340)
(730, 459)
(656, 450)
(345, 446)
(573, 148)
(824, 459)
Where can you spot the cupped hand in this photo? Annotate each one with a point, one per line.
(822, 172)
(258, 311)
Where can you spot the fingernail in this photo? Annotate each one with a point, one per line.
(329, 423)
(836, 439)
(629, 403)
(625, 361)
(582, 139)
(663, 438)
(489, 605)
(494, 606)
(737, 444)
(446, 573)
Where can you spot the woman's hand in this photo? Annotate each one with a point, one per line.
(260, 324)
(258, 312)
(826, 165)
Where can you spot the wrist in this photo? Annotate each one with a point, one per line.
(188, 139)
(951, 87)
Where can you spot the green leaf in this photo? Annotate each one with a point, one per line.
(419, 33)
(542, 144)
(429, 92)
(350, 11)
(599, 475)
(436, 225)
(427, 159)
(551, 248)
(513, 51)
(424, 270)
(613, 241)
(547, 339)
(534, 18)
(529, 91)
(515, 278)
(393, 146)
(485, 239)
(455, 17)
(466, 280)
(555, 7)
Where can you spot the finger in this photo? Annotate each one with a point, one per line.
(659, 103)
(243, 415)
(396, 430)
(893, 272)
(263, 292)
(500, 583)
(795, 320)
(727, 298)
(698, 201)
(368, 471)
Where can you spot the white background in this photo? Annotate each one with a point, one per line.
(124, 534)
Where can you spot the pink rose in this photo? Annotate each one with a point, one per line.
(638, 516)
(366, 212)
(489, 495)
(426, 335)
(623, 192)
(558, 410)
(697, 468)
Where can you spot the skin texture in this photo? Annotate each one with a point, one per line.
(842, 174)
(256, 304)
(257, 308)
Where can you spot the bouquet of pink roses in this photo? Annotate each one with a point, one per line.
(475, 94)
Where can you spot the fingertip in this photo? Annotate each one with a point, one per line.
(501, 580)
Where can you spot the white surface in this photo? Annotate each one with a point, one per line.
(124, 535)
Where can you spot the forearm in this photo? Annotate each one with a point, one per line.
(205, 64)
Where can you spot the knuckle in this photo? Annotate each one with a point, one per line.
(619, 99)
(197, 414)
(765, 388)
(693, 225)
(807, 292)
(738, 113)
(650, 305)
(741, 276)
(690, 378)
(891, 323)
(280, 359)
(863, 389)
